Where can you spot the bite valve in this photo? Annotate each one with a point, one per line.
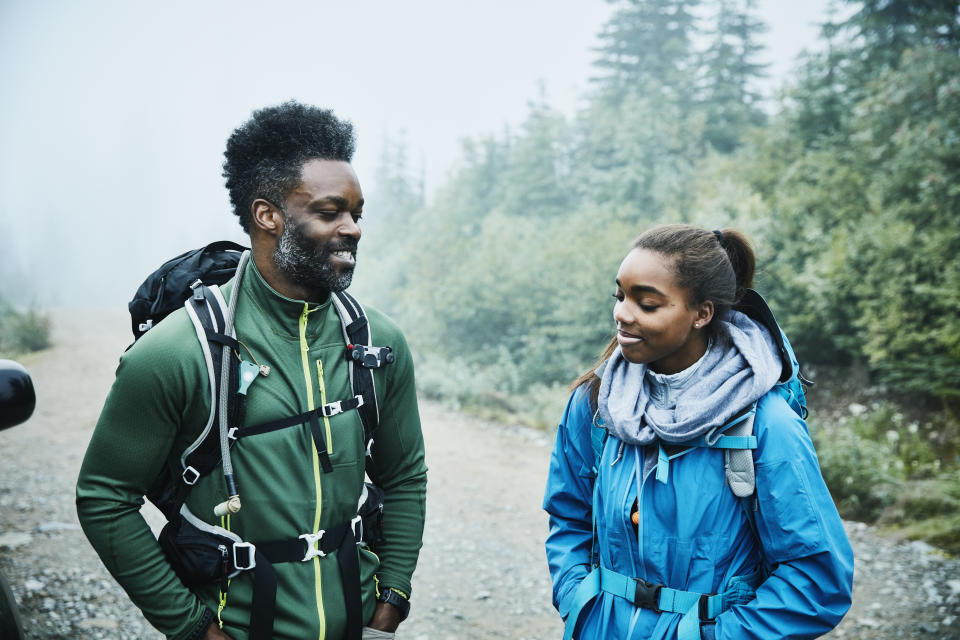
(229, 506)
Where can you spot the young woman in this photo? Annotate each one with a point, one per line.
(684, 494)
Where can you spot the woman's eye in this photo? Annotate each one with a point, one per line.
(649, 307)
(618, 297)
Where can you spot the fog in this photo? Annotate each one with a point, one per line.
(113, 115)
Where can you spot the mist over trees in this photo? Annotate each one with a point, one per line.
(849, 189)
(849, 192)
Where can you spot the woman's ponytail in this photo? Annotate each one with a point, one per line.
(741, 256)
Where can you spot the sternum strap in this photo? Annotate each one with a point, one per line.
(308, 417)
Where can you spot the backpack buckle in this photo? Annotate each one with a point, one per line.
(190, 476)
(313, 548)
(703, 607)
(246, 559)
(647, 595)
(197, 287)
(357, 526)
(331, 409)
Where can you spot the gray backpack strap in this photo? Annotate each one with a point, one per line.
(738, 463)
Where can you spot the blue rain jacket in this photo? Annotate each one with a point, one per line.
(693, 533)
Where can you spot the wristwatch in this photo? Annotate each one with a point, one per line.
(392, 596)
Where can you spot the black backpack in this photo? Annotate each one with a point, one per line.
(165, 290)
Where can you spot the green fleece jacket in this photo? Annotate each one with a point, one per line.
(159, 404)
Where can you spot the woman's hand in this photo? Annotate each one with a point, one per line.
(214, 633)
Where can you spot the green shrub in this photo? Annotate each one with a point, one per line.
(494, 393)
(863, 475)
(928, 510)
(22, 332)
(881, 467)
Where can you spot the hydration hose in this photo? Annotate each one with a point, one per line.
(231, 504)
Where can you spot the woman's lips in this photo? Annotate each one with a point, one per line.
(627, 339)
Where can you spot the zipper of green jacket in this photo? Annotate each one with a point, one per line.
(305, 358)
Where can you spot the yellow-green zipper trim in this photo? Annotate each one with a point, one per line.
(304, 357)
(323, 401)
(225, 523)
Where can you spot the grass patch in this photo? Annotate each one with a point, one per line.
(928, 510)
(491, 393)
(903, 475)
(22, 331)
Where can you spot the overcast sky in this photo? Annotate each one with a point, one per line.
(113, 115)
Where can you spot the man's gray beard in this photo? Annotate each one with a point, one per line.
(307, 265)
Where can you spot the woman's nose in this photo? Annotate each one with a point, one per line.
(620, 313)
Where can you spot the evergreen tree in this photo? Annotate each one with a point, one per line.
(729, 71)
(477, 185)
(646, 47)
(393, 201)
(536, 179)
(398, 187)
(821, 98)
(887, 28)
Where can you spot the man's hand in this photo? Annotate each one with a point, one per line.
(386, 617)
(214, 633)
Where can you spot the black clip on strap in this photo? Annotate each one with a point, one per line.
(370, 357)
(647, 595)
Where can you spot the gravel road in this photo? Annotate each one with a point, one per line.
(482, 572)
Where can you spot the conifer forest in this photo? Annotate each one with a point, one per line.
(848, 184)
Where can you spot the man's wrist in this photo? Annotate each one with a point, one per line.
(200, 628)
(396, 599)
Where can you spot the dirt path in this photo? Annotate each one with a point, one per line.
(482, 572)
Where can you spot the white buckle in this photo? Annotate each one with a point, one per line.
(252, 551)
(312, 550)
(357, 525)
(232, 433)
(193, 475)
(332, 409)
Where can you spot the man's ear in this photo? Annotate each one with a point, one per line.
(266, 217)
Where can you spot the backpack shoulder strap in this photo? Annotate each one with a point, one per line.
(212, 320)
(738, 461)
(208, 310)
(362, 357)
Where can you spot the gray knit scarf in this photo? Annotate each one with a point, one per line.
(735, 372)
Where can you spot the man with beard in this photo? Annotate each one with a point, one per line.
(292, 186)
